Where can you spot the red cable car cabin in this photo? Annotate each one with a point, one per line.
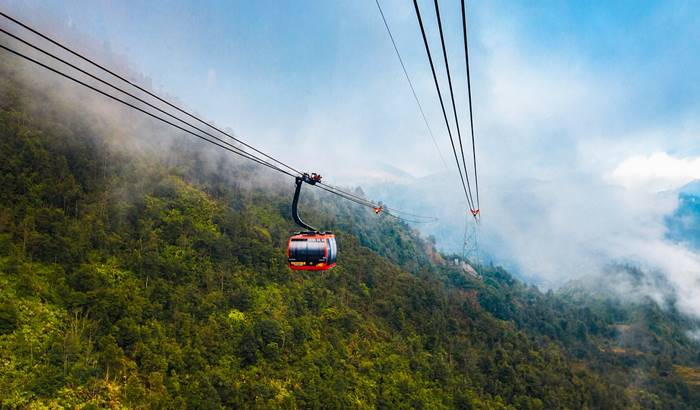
(312, 251)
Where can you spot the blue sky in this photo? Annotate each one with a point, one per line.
(586, 111)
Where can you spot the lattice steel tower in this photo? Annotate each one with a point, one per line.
(470, 248)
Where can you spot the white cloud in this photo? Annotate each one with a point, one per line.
(680, 266)
(656, 172)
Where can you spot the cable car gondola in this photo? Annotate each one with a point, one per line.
(311, 249)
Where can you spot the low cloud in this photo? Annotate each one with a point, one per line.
(573, 179)
(656, 172)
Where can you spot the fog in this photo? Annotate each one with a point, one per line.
(575, 176)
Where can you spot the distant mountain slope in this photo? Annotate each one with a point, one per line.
(139, 269)
(684, 224)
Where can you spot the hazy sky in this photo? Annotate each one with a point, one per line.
(585, 110)
(294, 76)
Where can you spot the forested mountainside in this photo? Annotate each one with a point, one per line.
(139, 270)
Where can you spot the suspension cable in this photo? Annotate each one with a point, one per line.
(106, 94)
(428, 218)
(469, 92)
(442, 104)
(375, 205)
(452, 97)
(122, 78)
(221, 143)
(365, 203)
(121, 90)
(355, 196)
(410, 84)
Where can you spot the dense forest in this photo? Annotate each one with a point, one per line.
(140, 269)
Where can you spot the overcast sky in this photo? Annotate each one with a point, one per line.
(586, 111)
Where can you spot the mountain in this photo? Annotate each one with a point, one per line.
(422, 194)
(684, 224)
(141, 269)
(691, 189)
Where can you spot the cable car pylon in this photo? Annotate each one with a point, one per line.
(470, 247)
